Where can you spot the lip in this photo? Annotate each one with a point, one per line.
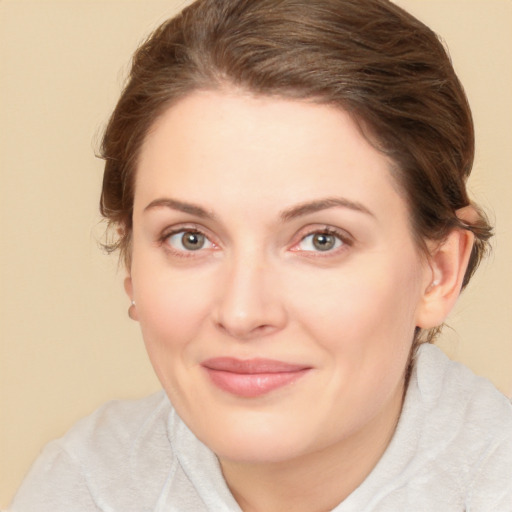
(251, 378)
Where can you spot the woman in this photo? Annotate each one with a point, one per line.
(287, 179)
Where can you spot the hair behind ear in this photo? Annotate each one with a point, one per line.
(474, 219)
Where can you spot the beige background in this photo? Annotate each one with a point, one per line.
(66, 342)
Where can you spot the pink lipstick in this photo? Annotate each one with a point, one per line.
(252, 377)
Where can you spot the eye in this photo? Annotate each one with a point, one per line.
(188, 240)
(322, 241)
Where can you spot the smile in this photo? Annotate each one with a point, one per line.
(252, 378)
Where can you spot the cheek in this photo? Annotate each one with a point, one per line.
(172, 312)
(171, 305)
(366, 310)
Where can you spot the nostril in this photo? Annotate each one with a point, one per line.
(246, 330)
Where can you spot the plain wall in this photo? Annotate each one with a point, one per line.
(67, 344)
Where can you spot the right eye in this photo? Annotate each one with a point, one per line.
(188, 241)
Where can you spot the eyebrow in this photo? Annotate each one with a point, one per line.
(182, 206)
(286, 215)
(323, 204)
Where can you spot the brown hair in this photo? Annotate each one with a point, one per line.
(367, 57)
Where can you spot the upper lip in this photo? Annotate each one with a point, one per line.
(251, 366)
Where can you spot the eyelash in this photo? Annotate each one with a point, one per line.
(342, 237)
(166, 235)
(345, 242)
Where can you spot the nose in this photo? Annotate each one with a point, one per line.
(250, 302)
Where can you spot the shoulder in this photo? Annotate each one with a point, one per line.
(122, 445)
(466, 430)
(116, 424)
(121, 437)
(451, 392)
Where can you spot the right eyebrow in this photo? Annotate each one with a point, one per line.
(181, 206)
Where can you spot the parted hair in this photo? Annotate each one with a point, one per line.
(370, 58)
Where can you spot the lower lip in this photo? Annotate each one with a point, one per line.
(250, 385)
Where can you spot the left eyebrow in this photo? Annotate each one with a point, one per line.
(323, 204)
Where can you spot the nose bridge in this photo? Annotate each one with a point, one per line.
(249, 301)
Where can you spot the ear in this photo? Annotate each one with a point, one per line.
(448, 262)
(128, 288)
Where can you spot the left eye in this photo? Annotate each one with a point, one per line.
(321, 242)
(189, 241)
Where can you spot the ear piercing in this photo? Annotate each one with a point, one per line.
(131, 310)
(433, 284)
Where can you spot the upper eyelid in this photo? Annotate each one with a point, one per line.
(183, 228)
(216, 233)
(347, 242)
(195, 232)
(342, 234)
(164, 243)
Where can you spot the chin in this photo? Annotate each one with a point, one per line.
(258, 441)
(257, 451)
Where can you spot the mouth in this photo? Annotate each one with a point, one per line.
(251, 378)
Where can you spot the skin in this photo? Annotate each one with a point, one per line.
(239, 170)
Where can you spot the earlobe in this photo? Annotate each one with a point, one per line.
(128, 288)
(448, 262)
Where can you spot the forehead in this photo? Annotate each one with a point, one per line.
(215, 147)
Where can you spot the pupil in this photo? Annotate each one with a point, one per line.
(323, 242)
(193, 241)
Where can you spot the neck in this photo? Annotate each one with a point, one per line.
(316, 481)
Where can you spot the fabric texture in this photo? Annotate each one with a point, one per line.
(452, 451)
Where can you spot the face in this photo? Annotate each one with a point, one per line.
(274, 272)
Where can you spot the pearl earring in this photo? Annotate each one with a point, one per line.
(433, 284)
